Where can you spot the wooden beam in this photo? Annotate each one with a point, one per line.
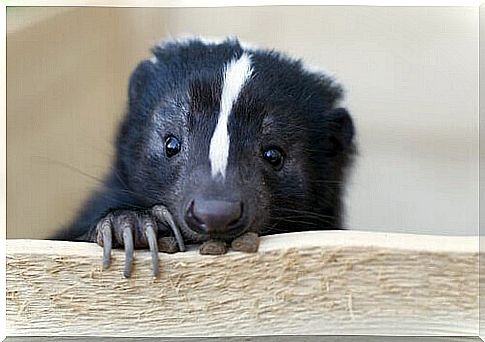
(344, 282)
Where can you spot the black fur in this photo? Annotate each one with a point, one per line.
(282, 105)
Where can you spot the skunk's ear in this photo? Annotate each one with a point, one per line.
(141, 84)
(339, 131)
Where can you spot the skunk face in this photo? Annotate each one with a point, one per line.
(233, 140)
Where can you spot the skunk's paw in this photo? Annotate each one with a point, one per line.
(248, 242)
(213, 247)
(137, 230)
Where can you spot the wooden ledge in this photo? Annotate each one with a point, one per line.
(345, 282)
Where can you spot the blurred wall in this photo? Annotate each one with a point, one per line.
(411, 76)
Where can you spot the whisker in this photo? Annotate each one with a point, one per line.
(100, 181)
(303, 212)
(72, 168)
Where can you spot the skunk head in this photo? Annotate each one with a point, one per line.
(233, 139)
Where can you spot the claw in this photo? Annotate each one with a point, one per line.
(128, 243)
(107, 244)
(152, 243)
(104, 238)
(164, 215)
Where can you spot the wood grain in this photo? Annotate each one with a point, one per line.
(344, 282)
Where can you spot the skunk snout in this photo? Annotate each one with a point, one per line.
(214, 217)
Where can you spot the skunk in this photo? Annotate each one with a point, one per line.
(220, 143)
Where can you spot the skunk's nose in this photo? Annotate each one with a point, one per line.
(213, 216)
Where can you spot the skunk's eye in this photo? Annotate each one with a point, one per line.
(172, 146)
(274, 156)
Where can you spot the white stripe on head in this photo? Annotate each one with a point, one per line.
(237, 72)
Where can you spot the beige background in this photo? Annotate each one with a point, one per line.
(411, 76)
